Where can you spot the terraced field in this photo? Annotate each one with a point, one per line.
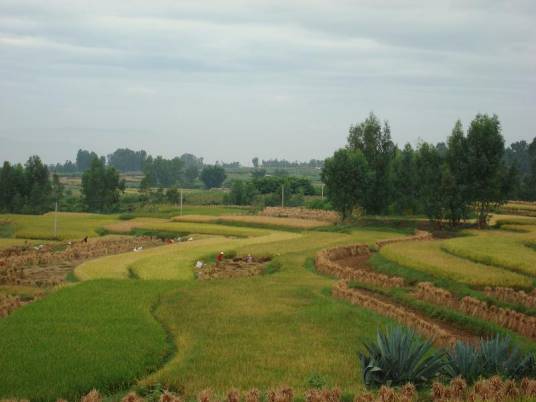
(492, 257)
(255, 220)
(430, 257)
(142, 319)
(217, 330)
(70, 225)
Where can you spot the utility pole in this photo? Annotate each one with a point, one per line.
(322, 187)
(282, 196)
(56, 220)
(181, 203)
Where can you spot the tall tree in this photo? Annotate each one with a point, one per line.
(255, 162)
(455, 178)
(405, 181)
(374, 141)
(101, 187)
(346, 176)
(530, 180)
(213, 176)
(486, 171)
(38, 185)
(127, 160)
(429, 171)
(83, 159)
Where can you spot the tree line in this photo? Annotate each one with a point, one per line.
(270, 191)
(469, 175)
(32, 189)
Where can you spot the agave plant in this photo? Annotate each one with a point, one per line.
(399, 356)
(495, 356)
(500, 356)
(463, 360)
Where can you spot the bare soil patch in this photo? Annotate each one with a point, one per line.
(234, 268)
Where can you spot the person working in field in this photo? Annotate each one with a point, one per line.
(219, 258)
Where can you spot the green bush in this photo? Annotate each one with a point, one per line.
(399, 356)
(126, 216)
(272, 267)
(319, 204)
(495, 356)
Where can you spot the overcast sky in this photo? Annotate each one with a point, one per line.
(229, 80)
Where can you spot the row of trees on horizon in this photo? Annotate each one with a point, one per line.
(469, 174)
(443, 181)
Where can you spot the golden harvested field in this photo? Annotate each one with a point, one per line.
(6, 243)
(498, 248)
(165, 225)
(296, 223)
(428, 256)
(71, 225)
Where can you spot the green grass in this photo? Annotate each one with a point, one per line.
(458, 289)
(70, 225)
(261, 331)
(428, 257)
(164, 225)
(6, 243)
(6, 230)
(96, 334)
(267, 330)
(497, 248)
(170, 210)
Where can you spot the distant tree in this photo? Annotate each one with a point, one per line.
(191, 160)
(405, 181)
(374, 141)
(127, 160)
(518, 154)
(25, 188)
(455, 179)
(242, 193)
(84, 159)
(67, 167)
(160, 172)
(213, 176)
(281, 172)
(442, 149)
(258, 173)
(57, 188)
(101, 187)
(190, 174)
(486, 171)
(173, 195)
(346, 176)
(530, 180)
(38, 185)
(255, 162)
(429, 172)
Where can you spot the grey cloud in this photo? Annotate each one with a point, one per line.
(229, 79)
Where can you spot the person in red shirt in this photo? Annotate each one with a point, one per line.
(219, 258)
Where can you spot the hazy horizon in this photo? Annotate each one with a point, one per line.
(230, 80)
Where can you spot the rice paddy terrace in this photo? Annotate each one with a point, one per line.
(141, 318)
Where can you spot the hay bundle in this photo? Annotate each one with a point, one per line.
(406, 317)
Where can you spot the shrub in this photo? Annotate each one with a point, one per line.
(319, 204)
(272, 267)
(399, 356)
(126, 216)
(496, 356)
